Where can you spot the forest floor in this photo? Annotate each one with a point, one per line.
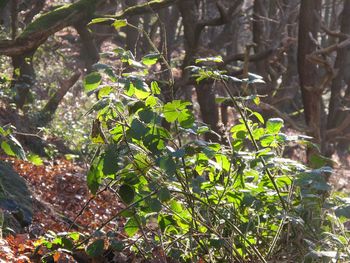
(59, 194)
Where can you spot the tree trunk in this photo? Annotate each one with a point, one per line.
(88, 51)
(259, 33)
(308, 73)
(23, 77)
(132, 34)
(337, 101)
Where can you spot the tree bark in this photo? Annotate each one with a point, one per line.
(88, 51)
(23, 77)
(47, 113)
(132, 34)
(308, 72)
(338, 102)
(259, 33)
(343, 56)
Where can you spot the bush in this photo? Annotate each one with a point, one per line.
(197, 201)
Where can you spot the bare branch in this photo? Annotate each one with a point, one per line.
(145, 8)
(284, 116)
(256, 57)
(339, 129)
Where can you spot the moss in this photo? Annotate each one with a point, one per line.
(53, 17)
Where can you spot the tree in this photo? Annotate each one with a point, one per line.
(308, 71)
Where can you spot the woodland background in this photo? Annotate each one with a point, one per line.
(301, 49)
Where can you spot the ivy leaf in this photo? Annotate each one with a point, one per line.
(119, 23)
(95, 249)
(150, 59)
(131, 227)
(274, 125)
(126, 193)
(92, 81)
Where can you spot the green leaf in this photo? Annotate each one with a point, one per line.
(217, 243)
(67, 244)
(268, 140)
(217, 59)
(95, 249)
(110, 160)
(146, 115)
(164, 194)
(177, 110)
(137, 129)
(176, 206)
(126, 193)
(104, 92)
(258, 116)
(99, 20)
(93, 179)
(154, 204)
(155, 88)
(35, 159)
(117, 245)
(168, 165)
(131, 227)
(129, 88)
(92, 81)
(343, 211)
(7, 148)
(150, 59)
(151, 101)
(120, 23)
(165, 221)
(274, 125)
(257, 100)
(141, 95)
(74, 235)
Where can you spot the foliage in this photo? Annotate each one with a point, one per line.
(192, 200)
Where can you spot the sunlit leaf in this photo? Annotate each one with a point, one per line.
(119, 23)
(150, 59)
(274, 125)
(92, 81)
(131, 227)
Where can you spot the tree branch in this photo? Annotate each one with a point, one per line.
(256, 57)
(141, 9)
(40, 29)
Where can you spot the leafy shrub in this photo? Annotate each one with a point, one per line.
(197, 201)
